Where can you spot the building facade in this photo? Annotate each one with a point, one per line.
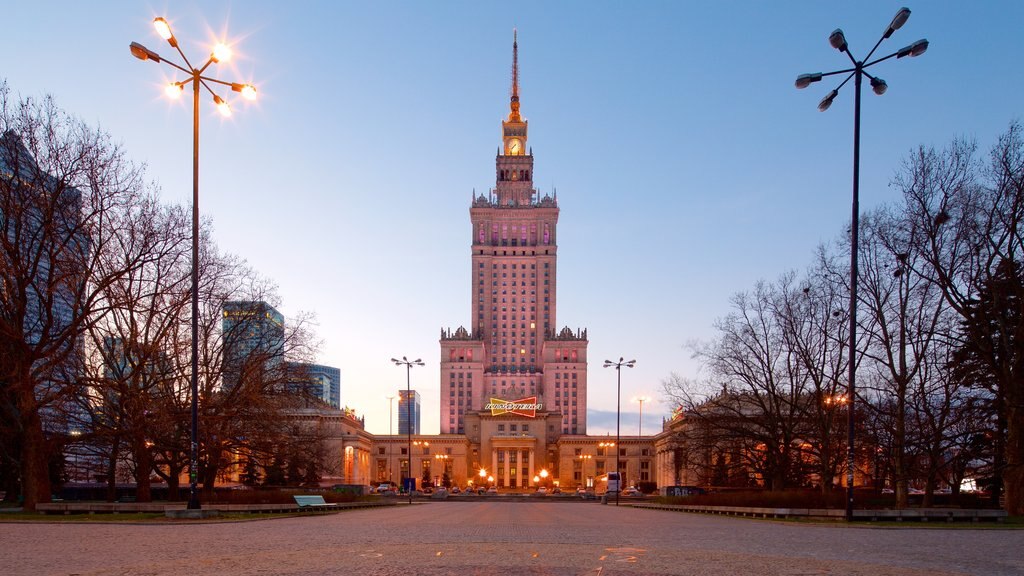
(253, 333)
(513, 349)
(316, 382)
(513, 394)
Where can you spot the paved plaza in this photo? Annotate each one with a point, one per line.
(505, 538)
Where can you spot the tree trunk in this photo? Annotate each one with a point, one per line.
(35, 478)
(143, 466)
(115, 446)
(899, 461)
(174, 483)
(1013, 475)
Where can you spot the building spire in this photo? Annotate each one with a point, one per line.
(514, 104)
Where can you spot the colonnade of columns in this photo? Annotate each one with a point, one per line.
(505, 460)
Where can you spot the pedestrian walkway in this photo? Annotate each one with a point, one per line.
(493, 537)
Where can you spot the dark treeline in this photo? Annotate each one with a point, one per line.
(940, 330)
(95, 338)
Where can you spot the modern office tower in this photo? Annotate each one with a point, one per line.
(253, 333)
(513, 349)
(43, 260)
(404, 400)
(316, 382)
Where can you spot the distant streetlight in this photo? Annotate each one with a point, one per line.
(408, 404)
(641, 400)
(220, 53)
(838, 41)
(618, 412)
(391, 411)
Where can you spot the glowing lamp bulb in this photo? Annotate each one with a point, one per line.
(162, 28)
(222, 106)
(249, 92)
(221, 53)
(174, 89)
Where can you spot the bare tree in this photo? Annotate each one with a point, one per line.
(904, 316)
(970, 216)
(133, 344)
(815, 329)
(763, 384)
(66, 193)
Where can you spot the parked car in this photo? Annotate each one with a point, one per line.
(556, 490)
(492, 490)
(631, 492)
(455, 490)
(542, 490)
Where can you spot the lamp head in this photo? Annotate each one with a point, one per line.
(827, 100)
(837, 40)
(897, 21)
(879, 86)
(222, 106)
(143, 53)
(914, 50)
(163, 29)
(805, 80)
(174, 90)
(248, 90)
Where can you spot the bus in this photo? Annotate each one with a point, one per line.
(613, 482)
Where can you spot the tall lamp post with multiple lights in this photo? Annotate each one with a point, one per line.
(838, 41)
(196, 77)
(618, 411)
(408, 405)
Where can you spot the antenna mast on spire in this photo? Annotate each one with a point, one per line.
(514, 104)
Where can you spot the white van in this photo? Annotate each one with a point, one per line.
(613, 482)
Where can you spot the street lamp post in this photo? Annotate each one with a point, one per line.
(391, 410)
(641, 400)
(408, 404)
(221, 53)
(618, 410)
(838, 41)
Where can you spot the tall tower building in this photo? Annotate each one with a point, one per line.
(404, 413)
(316, 381)
(253, 334)
(513, 350)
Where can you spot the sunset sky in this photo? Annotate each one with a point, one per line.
(687, 165)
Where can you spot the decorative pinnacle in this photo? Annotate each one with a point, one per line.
(514, 104)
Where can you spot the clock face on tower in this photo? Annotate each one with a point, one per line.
(515, 147)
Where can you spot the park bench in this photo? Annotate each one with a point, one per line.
(312, 502)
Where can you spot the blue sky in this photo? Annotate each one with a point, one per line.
(687, 165)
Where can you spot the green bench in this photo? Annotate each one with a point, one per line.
(313, 502)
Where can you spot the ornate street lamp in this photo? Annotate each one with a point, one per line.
(618, 410)
(838, 41)
(408, 404)
(195, 77)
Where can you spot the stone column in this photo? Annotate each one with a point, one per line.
(494, 465)
(531, 456)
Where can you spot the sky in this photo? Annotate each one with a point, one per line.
(687, 165)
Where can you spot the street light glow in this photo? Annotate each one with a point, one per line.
(222, 106)
(163, 29)
(221, 53)
(174, 90)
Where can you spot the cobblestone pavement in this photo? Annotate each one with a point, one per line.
(507, 538)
